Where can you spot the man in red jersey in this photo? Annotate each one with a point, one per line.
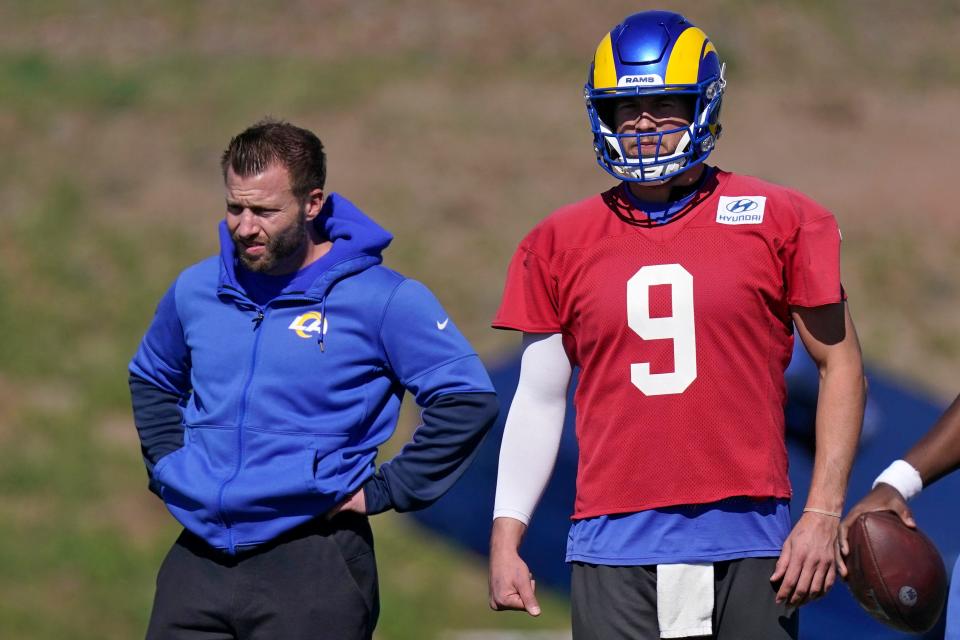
(676, 294)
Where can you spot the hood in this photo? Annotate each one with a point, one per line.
(358, 243)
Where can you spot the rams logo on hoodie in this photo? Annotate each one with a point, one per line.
(307, 323)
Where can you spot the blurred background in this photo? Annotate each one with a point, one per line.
(457, 125)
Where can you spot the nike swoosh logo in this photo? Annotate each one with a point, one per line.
(442, 325)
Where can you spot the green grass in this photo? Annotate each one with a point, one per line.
(37, 86)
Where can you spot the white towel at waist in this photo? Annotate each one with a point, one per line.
(685, 600)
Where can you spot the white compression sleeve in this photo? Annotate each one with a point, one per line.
(531, 438)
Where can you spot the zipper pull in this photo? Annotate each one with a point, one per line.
(256, 321)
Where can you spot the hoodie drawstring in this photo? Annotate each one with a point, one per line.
(323, 323)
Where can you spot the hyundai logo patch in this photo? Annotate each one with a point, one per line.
(741, 209)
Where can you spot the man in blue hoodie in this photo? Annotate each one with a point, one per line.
(269, 376)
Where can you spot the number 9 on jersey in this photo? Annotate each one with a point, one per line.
(678, 327)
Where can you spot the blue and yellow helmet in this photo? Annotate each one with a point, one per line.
(650, 53)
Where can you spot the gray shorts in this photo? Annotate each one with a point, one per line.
(611, 603)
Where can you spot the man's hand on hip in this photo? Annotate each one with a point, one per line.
(356, 502)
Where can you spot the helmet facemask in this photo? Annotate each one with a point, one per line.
(697, 141)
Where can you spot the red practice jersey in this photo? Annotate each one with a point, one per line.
(682, 333)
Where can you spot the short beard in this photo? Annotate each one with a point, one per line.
(280, 247)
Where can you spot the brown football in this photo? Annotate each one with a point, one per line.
(895, 572)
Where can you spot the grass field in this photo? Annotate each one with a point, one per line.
(457, 126)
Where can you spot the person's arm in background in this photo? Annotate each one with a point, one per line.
(807, 564)
(934, 456)
(528, 453)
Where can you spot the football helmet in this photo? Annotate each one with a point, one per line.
(654, 52)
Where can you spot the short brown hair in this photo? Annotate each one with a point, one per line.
(270, 142)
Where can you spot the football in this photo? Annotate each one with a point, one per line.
(895, 572)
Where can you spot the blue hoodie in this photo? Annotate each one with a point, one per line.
(282, 405)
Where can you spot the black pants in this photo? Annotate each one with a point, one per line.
(614, 603)
(317, 582)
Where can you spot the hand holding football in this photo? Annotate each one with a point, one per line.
(895, 572)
